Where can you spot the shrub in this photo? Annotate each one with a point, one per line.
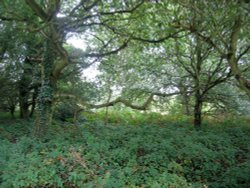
(98, 155)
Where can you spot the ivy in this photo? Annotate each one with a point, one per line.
(94, 155)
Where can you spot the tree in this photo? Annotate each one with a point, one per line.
(76, 18)
(9, 95)
(22, 54)
(206, 68)
(208, 47)
(223, 26)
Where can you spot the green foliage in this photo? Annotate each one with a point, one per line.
(132, 117)
(65, 111)
(150, 155)
(128, 149)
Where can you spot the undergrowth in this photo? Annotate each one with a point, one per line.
(152, 154)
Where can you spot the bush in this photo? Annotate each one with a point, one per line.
(97, 155)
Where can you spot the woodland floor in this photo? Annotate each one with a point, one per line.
(95, 154)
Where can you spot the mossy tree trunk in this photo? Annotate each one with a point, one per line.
(233, 60)
(198, 86)
(46, 92)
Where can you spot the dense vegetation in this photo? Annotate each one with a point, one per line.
(124, 93)
(121, 154)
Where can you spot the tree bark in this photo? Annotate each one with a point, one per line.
(198, 91)
(185, 99)
(24, 90)
(12, 111)
(33, 103)
(233, 60)
(198, 110)
(24, 108)
(185, 104)
(46, 92)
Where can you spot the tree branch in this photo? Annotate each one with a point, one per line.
(127, 103)
(124, 45)
(111, 103)
(243, 53)
(203, 37)
(131, 37)
(3, 18)
(123, 11)
(37, 9)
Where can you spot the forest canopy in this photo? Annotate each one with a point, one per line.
(124, 93)
(151, 55)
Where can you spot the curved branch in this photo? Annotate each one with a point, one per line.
(124, 45)
(127, 103)
(111, 103)
(136, 38)
(166, 94)
(37, 9)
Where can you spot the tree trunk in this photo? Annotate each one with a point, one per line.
(76, 115)
(198, 92)
(24, 90)
(107, 108)
(12, 111)
(185, 105)
(33, 103)
(24, 109)
(198, 110)
(244, 83)
(185, 99)
(46, 92)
